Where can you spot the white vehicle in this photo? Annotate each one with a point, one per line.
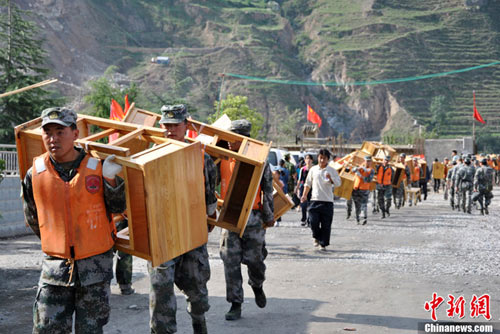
(296, 155)
(276, 154)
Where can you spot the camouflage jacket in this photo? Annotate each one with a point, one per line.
(266, 186)
(210, 172)
(483, 178)
(465, 174)
(91, 270)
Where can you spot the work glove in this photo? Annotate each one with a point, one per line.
(109, 168)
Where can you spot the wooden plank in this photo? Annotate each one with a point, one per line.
(99, 135)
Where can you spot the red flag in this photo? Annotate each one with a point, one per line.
(313, 117)
(127, 104)
(477, 115)
(191, 133)
(116, 114)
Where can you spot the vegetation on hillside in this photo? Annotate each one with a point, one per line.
(22, 60)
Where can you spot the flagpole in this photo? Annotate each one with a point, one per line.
(473, 129)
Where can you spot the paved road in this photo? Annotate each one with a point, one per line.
(374, 278)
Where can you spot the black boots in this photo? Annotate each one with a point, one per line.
(260, 297)
(234, 312)
(200, 327)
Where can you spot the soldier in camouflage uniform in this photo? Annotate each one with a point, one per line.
(384, 186)
(483, 185)
(400, 192)
(190, 271)
(250, 249)
(465, 182)
(124, 261)
(450, 184)
(361, 192)
(457, 195)
(76, 284)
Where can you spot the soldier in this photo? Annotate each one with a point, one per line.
(250, 249)
(483, 185)
(450, 185)
(425, 176)
(400, 192)
(446, 163)
(190, 271)
(292, 175)
(59, 190)
(322, 179)
(456, 170)
(364, 176)
(384, 186)
(465, 181)
(124, 261)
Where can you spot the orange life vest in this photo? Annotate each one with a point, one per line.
(416, 174)
(384, 178)
(359, 183)
(226, 171)
(71, 214)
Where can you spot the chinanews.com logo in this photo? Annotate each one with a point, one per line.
(460, 308)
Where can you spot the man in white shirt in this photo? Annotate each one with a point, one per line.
(321, 179)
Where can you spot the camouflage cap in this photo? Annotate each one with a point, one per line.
(387, 157)
(59, 115)
(241, 126)
(484, 161)
(403, 155)
(173, 114)
(368, 158)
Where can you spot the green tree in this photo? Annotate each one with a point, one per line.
(103, 89)
(440, 105)
(236, 107)
(22, 60)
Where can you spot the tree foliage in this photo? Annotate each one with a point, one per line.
(22, 60)
(440, 106)
(236, 107)
(103, 89)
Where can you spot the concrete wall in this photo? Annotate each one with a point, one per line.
(11, 208)
(441, 148)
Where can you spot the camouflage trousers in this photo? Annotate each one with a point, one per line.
(360, 198)
(452, 195)
(250, 250)
(483, 197)
(54, 307)
(384, 196)
(123, 270)
(400, 195)
(465, 197)
(190, 272)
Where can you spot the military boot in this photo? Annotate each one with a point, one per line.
(260, 297)
(486, 210)
(482, 212)
(383, 214)
(348, 215)
(388, 213)
(234, 312)
(365, 220)
(200, 327)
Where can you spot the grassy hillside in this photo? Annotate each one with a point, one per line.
(305, 40)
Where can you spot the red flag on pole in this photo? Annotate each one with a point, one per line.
(477, 115)
(127, 104)
(116, 114)
(313, 117)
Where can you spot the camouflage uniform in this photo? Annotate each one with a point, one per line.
(465, 181)
(190, 272)
(455, 195)
(483, 183)
(400, 192)
(87, 294)
(360, 197)
(384, 193)
(250, 249)
(123, 270)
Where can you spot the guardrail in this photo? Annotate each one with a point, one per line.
(8, 153)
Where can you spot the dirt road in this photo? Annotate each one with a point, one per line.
(374, 278)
